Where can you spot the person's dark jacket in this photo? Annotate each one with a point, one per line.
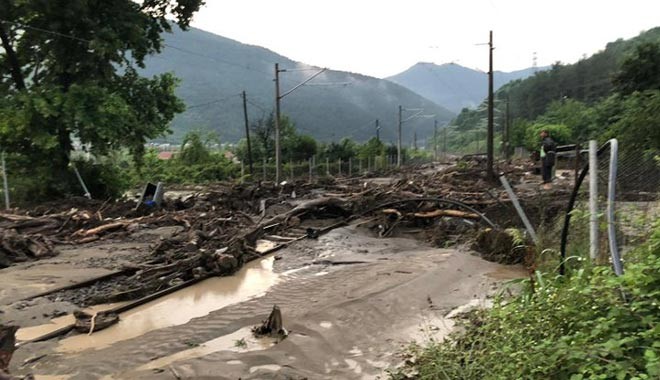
(550, 148)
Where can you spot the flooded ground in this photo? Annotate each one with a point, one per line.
(349, 301)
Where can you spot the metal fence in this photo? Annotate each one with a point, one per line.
(634, 181)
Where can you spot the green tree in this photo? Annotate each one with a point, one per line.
(559, 132)
(641, 70)
(194, 150)
(69, 71)
(372, 148)
(638, 124)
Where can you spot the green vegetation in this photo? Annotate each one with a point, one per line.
(68, 74)
(614, 93)
(589, 324)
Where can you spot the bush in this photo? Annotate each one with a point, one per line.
(587, 325)
(559, 132)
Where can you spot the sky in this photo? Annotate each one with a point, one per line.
(382, 37)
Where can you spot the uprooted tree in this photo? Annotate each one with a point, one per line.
(68, 72)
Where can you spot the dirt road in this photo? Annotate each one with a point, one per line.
(350, 302)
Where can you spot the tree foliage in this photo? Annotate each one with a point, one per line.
(641, 70)
(69, 71)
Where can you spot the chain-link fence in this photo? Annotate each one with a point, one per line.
(636, 204)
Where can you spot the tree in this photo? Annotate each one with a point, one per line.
(69, 71)
(638, 123)
(641, 70)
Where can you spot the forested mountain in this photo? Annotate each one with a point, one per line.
(588, 80)
(214, 70)
(452, 85)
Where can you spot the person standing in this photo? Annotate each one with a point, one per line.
(548, 155)
(548, 158)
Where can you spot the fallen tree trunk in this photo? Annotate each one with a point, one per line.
(451, 213)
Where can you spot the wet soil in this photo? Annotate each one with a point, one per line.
(349, 299)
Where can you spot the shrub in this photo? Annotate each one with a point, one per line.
(586, 325)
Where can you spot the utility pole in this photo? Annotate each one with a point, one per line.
(247, 132)
(505, 139)
(435, 139)
(489, 162)
(278, 158)
(398, 145)
(377, 131)
(278, 97)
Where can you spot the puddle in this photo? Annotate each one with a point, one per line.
(267, 367)
(239, 341)
(325, 325)
(234, 362)
(33, 332)
(52, 377)
(178, 308)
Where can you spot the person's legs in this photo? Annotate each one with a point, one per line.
(546, 172)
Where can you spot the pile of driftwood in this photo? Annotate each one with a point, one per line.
(15, 247)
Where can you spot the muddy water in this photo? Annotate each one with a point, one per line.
(178, 308)
(239, 341)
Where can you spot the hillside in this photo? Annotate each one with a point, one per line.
(452, 85)
(588, 80)
(214, 70)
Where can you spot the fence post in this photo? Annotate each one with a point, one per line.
(339, 167)
(291, 170)
(350, 166)
(611, 188)
(327, 166)
(4, 181)
(593, 199)
(521, 213)
(242, 171)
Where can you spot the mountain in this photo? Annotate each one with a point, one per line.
(214, 71)
(452, 85)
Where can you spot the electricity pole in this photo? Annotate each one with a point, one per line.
(278, 158)
(398, 145)
(489, 163)
(278, 97)
(247, 132)
(377, 131)
(435, 139)
(505, 139)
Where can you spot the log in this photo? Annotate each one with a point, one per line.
(103, 228)
(451, 213)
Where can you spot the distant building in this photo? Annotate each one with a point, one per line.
(165, 155)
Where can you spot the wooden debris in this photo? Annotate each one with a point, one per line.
(89, 323)
(450, 213)
(272, 326)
